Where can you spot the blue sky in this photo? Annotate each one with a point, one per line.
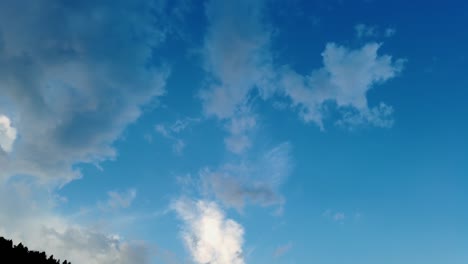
(232, 132)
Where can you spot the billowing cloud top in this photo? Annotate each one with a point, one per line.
(208, 234)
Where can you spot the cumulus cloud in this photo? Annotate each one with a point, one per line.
(256, 182)
(7, 134)
(345, 79)
(27, 215)
(74, 78)
(208, 234)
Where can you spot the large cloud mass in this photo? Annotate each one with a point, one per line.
(74, 74)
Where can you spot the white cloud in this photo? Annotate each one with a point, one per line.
(7, 134)
(208, 234)
(256, 181)
(345, 79)
(27, 215)
(70, 84)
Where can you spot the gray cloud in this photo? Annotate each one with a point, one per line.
(255, 182)
(237, 59)
(73, 75)
(73, 79)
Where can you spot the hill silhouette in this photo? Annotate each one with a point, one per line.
(15, 254)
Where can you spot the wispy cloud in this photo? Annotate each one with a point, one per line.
(237, 58)
(363, 30)
(256, 181)
(234, 55)
(119, 200)
(342, 217)
(171, 132)
(335, 216)
(208, 234)
(240, 128)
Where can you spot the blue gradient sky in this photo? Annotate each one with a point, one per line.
(231, 132)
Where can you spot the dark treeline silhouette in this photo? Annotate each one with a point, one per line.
(11, 254)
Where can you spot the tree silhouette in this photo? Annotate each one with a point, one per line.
(11, 254)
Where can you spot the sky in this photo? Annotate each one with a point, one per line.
(233, 132)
